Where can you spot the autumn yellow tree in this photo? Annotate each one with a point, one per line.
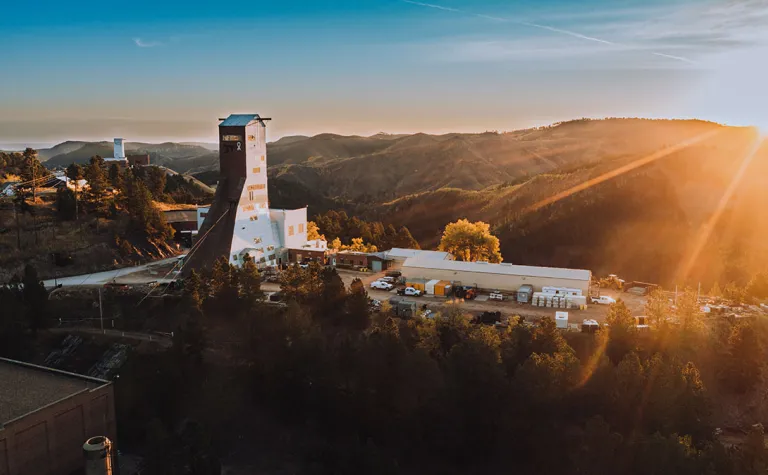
(470, 241)
(359, 246)
(313, 232)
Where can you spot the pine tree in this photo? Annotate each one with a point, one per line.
(405, 239)
(97, 182)
(358, 308)
(75, 173)
(250, 282)
(115, 176)
(32, 171)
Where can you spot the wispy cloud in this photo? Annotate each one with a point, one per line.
(551, 29)
(146, 44)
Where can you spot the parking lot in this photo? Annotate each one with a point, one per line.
(508, 306)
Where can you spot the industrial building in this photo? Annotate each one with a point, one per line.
(240, 223)
(504, 277)
(141, 159)
(400, 255)
(46, 415)
(376, 261)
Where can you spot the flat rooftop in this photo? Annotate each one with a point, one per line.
(26, 387)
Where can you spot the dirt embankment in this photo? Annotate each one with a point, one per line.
(61, 248)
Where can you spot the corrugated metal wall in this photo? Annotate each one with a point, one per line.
(492, 281)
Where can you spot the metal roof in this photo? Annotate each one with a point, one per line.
(502, 269)
(417, 253)
(239, 120)
(180, 215)
(28, 388)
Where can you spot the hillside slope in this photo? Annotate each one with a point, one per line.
(385, 167)
(642, 224)
(168, 153)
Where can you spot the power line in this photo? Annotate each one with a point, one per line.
(189, 254)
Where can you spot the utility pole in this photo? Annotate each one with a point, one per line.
(698, 293)
(18, 226)
(101, 312)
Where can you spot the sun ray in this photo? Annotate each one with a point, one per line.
(704, 233)
(621, 170)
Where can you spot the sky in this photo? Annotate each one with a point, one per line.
(157, 71)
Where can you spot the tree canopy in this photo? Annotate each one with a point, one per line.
(470, 241)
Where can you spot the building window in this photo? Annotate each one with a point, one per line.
(290, 230)
(271, 257)
(234, 257)
(270, 248)
(257, 240)
(262, 158)
(301, 228)
(203, 215)
(250, 195)
(254, 218)
(257, 170)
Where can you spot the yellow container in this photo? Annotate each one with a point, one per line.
(442, 288)
(416, 285)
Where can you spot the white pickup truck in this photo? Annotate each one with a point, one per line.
(603, 300)
(381, 285)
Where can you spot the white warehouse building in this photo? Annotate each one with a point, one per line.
(503, 277)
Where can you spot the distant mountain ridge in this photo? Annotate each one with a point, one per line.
(639, 224)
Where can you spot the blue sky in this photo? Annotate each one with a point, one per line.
(168, 70)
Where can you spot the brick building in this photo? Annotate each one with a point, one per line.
(46, 415)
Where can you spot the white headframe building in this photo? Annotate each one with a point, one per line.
(240, 223)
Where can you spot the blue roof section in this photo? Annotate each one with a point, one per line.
(239, 120)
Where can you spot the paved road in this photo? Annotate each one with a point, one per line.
(101, 278)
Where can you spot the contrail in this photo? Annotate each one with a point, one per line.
(543, 27)
(679, 58)
(570, 33)
(432, 6)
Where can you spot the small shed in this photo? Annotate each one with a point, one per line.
(561, 319)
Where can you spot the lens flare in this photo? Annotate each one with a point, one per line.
(702, 237)
(622, 170)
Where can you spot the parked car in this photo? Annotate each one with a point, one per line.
(496, 295)
(391, 280)
(396, 274)
(381, 285)
(603, 300)
(410, 291)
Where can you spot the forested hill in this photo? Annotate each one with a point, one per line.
(639, 224)
(643, 224)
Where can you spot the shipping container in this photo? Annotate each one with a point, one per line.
(443, 288)
(418, 284)
(429, 287)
